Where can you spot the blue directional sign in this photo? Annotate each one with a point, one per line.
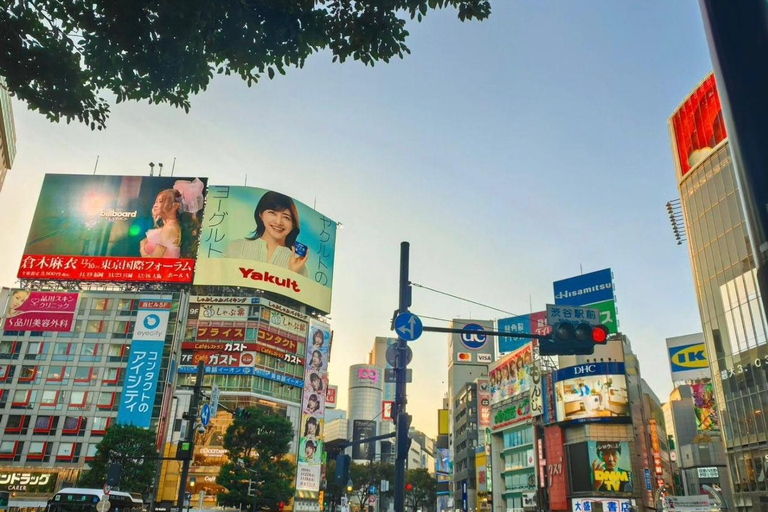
(408, 326)
(205, 414)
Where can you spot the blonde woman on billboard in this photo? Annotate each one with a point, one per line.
(165, 240)
(274, 240)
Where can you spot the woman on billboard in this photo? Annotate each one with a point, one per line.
(274, 240)
(170, 234)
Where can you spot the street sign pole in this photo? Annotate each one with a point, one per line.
(192, 416)
(400, 384)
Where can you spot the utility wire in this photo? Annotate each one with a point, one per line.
(462, 298)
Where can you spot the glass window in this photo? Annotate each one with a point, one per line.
(15, 423)
(49, 398)
(111, 375)
(57, 374)
(92, 449)
(7, 447)
(85, 375)
(43, 423)
(66, 449)
(101, 304)
(124, 305)
(23, 396)
(115, 353)
(93, 326)
(100, 424)
(28, 373)
(71, 423)
(36, 448)
(89, 352)
(106, 399)
(78, 398)
(120, 327)
(62, 352)
(36, 350)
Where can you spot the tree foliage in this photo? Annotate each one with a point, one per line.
(257, 444)
(365, 475)
(135, 449)
(59, 55)
(423, 495)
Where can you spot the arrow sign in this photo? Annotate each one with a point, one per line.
(408, 326)
(205, 414)
(391, 355)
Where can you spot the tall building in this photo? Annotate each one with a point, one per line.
(378, 358)
(732, 317)
(7, 133)
(364, 412)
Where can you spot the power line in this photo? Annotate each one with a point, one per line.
(462, 298)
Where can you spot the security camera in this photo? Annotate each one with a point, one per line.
(200, 428)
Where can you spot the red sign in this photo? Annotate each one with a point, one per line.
(330, 396)
(106, 268)
(698, 125)
(277, 340)
(40, 311)
(556, 468)
(220, 332)
(242, 347)
(218, 358)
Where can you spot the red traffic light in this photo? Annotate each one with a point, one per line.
(408, 487)
(600, 334)
(281, 506)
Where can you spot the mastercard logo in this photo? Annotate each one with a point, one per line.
(464, 357)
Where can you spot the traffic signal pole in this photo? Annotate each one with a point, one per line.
(400, 381)
(192, 416)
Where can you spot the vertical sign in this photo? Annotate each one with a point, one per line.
(144, 362)
(537, 400)
(655, 448)
(556, 468)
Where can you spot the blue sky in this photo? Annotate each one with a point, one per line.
(508, 152)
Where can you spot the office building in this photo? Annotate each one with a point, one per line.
(732, 317)
(366, 388)
(7, 133)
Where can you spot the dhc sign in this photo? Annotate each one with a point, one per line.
(585, 369)
(590, 369)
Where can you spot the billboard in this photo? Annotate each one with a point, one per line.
(114, 228)
(534, 323)
(610, 466)
(704, 407)
(591, 392)
(605, 504)
(554, 441)
(511, 414)
(361, 430)
(511, 375)
(688, 358)
(40, 311)
(330, 397)
(309, 468)
(261, 239)
(594, 290)
(697, 125)
(483, 403)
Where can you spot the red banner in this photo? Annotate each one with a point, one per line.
(220, 332)
(99, 268)
(556, 468)
(241, 347)
(277, 340)
(40, 311)
(218, 358)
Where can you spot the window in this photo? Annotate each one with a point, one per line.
(90, 453)
(43, 425)
(37, 450)
(16, 424)
(66, 451)
(56, 374)
(89, 352)
(124, 306)
(100, 304)
(72, 425)
(116, 353)
(8, 449)
(100, 425)
(111, 376)
(78, 398)
(28, 373)
(9, 349)
(106, 400)
(62, 352)
(93, 327)
(120, 327)
(36, 350)
(49, 398)
(85, 375)
(23, 398)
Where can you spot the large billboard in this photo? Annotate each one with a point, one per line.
(256, 238)
(362, 430)
(610, 466)
(534, 323)
(40, 311)
(704, 406)
(511, 376)
(688, 358)
(114, 228)
(595, 290)
(697, 126)
(592, 392)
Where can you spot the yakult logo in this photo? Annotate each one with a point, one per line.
(368, 374)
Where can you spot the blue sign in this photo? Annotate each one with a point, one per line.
(585, 370)
(408, 326)
(474, 341)
(648, 486)
(464, 498)
(205, 414)
(372, 489)
(520, 323)
(245, 370)
(585, 289)
(138, 395)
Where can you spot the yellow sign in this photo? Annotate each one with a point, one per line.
(688, 357)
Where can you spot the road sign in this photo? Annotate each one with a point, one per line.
(391, 354)
(107, 488)
(408, 326)
(372, 499)
(215, 394)
(205, 414)
(572, 315)
(475, 340)
(391, 376)
(372, 489)
(103, 505)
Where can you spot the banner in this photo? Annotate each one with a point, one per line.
(483, 403)
(312, 426)
(704, 407)
(361, 430)
(592, 392)
(535, 323)
(114, 228)
(40, 311)
(262, 239)
(607, 504)
(610, 466)
(511, 375)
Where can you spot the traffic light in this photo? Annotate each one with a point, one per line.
(402, 438)
(342, 468)
(408, 487)
(569, 339)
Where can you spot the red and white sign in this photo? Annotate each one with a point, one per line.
(330, 397)
(277, 340)
(221, 332)
(219, 358)
(556, 468)
(243, 347)
(386, 410)
(106, 268)
(40, 311)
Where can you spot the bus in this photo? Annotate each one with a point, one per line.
(75, 499)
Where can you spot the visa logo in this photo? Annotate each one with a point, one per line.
(688, 357)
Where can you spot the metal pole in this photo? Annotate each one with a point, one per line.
(400, 384)
(737, 33)
(193, 406)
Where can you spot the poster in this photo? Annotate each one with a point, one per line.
(511, 375)
(704, 407)
(610, 466)
(40, 311)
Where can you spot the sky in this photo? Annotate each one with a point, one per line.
(510, 153)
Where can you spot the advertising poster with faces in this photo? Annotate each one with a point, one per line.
(313, 406)
(511, 376)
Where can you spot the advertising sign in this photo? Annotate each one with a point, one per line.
(688, 358)
(555, 468)
(245, 370)
(701, 503)
(591, 392)
(697, 125)
(704, 407)
(655, 448)
(219, 358)
(610, 466)
(511, 375)
(189, 347)
(607, 504)
(220, 332)
(255, 238)
(595, 290)
(511, 414)
(361, 430)
(711, 472)
(534, 323)
(536, 392)
(28, 481)
(114, 228)
(222, 312)
(144, 360)
(483, 403)
(481, 471)
(40, 311)
(313, 406)
(276, 339)
(330, 397)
